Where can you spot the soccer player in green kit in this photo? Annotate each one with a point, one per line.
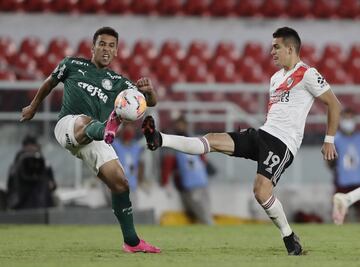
(87, 122)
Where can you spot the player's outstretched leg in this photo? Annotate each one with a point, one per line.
(141, 247)
(152, 136)
(340, 208)
(111, 127)
(292, 244)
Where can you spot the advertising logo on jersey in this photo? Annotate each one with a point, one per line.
(106, 84)
(93, 90)
(321, 80)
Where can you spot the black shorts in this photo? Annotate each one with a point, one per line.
(272, 155)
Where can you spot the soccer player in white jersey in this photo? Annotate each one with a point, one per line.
(292, 91)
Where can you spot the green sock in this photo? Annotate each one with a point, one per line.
(95, 130)
(123, 211)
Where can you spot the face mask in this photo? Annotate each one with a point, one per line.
(347, 125)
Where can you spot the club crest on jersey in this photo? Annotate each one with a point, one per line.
(106, 84)
(289, 81)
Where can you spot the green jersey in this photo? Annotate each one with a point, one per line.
(87, 89)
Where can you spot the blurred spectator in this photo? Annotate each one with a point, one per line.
(130, 153)
(31, 183)
(346, 167)
(190, 174)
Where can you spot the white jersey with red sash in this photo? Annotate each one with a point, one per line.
(292, 94)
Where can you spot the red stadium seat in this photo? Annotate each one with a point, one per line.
(200, 49)
(249, 8)
(273, 8)
(7, 47)
(144, 48)
(48, 63)
(144, 6)
(36, 5)
(333, 72)
(196, 7)
(332, 51)
(299, 8)
(172, 75)
(11, 5)
(224, 70)
(348, 8)
(7, 75)
(123, 52)
(64, 6)
(355, 51)
(137, 65)
(117, 6)
(33, 47)
(228, 50)
(324, 8)
(268, 67)
(91, 6)
(353, 68)
(222, 7)
(173, 49)
(250, 70)
(84, 48)
(169, 7)
(308, 54)
(254, 50)
(195, 70)
(26, 68)
(162, 64)
(60, 47)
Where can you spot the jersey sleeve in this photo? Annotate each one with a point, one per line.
(129, 84)
(315, 83)
(61, 71)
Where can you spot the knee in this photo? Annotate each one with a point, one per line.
(258, 194)
(119, 185)
(79, 129)
(262, 192)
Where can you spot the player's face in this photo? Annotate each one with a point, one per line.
(280, 53)
(104, 50)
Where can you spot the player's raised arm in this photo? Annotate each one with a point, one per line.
(333, 117)
(29, 111)
(145, 86)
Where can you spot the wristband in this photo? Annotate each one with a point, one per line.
(329, 139)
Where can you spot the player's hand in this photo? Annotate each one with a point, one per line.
(145, 85)
(27, 113)
(329, 151)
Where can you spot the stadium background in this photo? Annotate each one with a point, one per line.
(221, 45)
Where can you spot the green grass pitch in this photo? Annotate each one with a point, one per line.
(185, 246)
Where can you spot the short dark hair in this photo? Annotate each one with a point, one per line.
(105, 30)
(289, 34)
(29, 140)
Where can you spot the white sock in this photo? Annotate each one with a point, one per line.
(354, 196)
(274, 210)
(189, 145)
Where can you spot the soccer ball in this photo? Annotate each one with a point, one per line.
(130, 105)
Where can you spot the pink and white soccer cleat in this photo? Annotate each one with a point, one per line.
(111, 127)
(141, 247)
(340, 208)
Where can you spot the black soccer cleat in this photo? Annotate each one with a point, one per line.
(152, 136)
(292, 244)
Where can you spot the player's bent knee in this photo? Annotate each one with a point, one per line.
(120, 186)
(220, 142)
(79, 129)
